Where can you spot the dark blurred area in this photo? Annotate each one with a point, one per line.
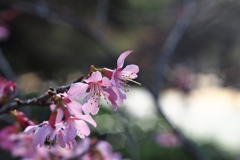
(52, 43)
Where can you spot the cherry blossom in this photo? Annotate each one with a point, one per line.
(97, 87)
(5, 142)
(67, 130)
(40, 132)
(7, 88)
(168, 140)
(121, 76)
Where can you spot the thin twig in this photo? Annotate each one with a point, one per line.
(39, 101)
(101, 14)
(43, 11)
(6, 69)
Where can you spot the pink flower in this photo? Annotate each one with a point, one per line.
(20, 145)
(40, 132)
(23, 146)
(7, 88)
(64, 131)
(67, 131)
(4, 33)
(21, 118)
(120, 76)
(101, 150)
(73, 107)
(168, 140)
(5, 142)
(97, 87)
(106, 150)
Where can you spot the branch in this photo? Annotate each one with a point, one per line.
(5, 68)
(164, 57)
(101, 14)
(43, 11)
(39, 101)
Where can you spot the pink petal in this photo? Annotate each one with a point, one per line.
(82, 128)
(70, 131)
(122, 58)
(40, 135)
(89, 119)
(91, 106)
(71, 145)
(131, 70)
(107, 72)
(115, 80)
(60, 140)
(52, 107)
(59, 115)
(106, 82)
(112, 97)
(76, 90)
(75, 108)
(95, 77)
(86, 98)
(95, 110)
(120, 95)
(30, 129)
(56, 130)
(115, 106)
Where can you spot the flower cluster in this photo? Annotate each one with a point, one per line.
(68, 118)
(20, 145)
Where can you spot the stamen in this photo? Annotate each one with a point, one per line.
(134, 82)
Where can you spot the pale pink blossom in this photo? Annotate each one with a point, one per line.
(66, 131)
(40, 132)
(5, 142)
(96, 87)
(168, 140)
(120, 76)
(4, 33)
(105, 152)
(73, 107)
(7, 88)
(21, 118)
(24, 147)
(21, 145)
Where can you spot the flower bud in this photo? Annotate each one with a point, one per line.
(21, 118)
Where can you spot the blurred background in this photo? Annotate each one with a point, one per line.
(187, 51)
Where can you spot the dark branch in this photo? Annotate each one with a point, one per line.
(39, 101)
(6, 69)
(43, 11)
(101, 14)
(164, 57)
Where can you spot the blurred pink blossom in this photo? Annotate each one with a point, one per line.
(5, 142)
(4, 33)
(40, 132)
(7, 88)
(168, 140)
